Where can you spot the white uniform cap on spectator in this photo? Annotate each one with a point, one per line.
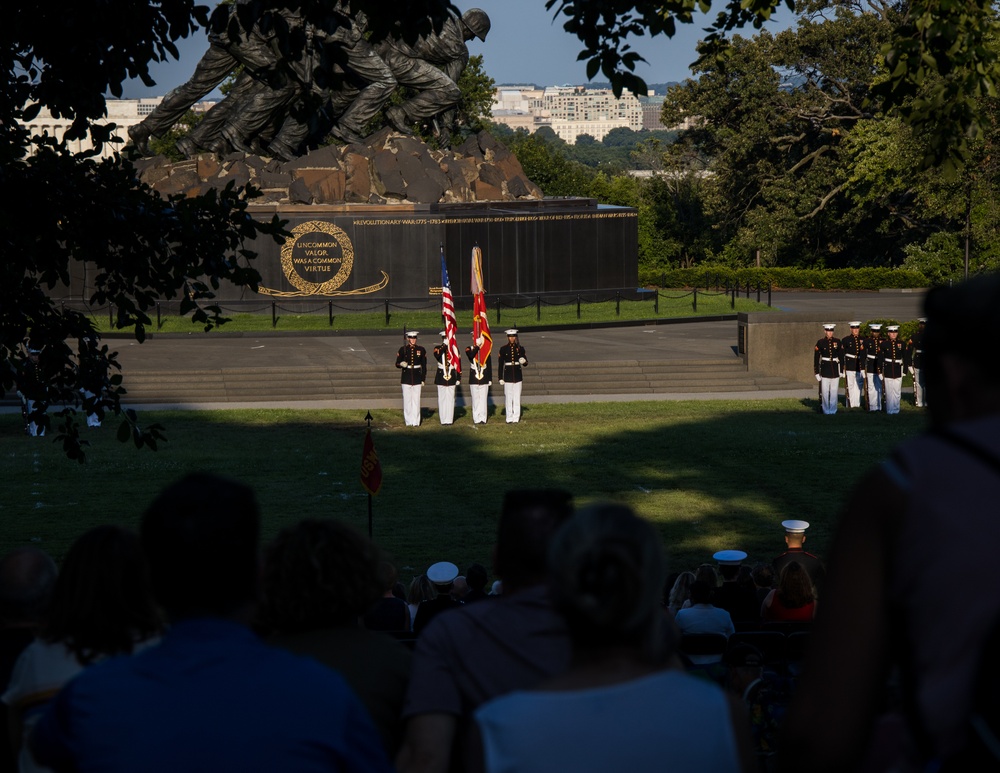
(730, 557)
(829, 326)
(511, 331)
(411, 333)
(921, 319)
(442, 573)
(795, 527)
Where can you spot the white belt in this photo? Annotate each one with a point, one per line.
(828, 359)
(898, 362)
(852, 356)
(918, 351)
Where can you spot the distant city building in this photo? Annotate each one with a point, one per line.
(568, 110)
(122, 112)
(574, 110)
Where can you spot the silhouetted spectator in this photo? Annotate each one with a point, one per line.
(101, 605)
(27, 576)
(211, 695)
(618, 707)
(468, 656)
(680, 592)
(794, 600)
(388, 613)
(925, 513)
(442, 576)
(319, 578)
(702, 617)
(476, 578)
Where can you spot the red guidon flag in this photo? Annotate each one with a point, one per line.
(371, 470)
(480, 324)
(450, 323)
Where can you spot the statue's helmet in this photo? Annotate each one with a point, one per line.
(477, 21)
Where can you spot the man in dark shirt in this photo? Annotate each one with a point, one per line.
(795, 537)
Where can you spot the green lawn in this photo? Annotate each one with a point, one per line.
(672, 304)
(711, 475)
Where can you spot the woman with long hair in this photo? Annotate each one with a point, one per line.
(794, 600)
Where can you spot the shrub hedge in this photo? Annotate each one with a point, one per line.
(785, 278)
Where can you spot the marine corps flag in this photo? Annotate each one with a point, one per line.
(371, 469)
(480, 325)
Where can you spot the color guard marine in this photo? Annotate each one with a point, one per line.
(828, 360)
(411, 359)
(873, 380)
(480, 378)
(447, 380)
(915, 348)
(854, 365)
(891, 363)
(510, 361)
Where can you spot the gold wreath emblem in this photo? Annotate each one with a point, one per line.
(347, 261)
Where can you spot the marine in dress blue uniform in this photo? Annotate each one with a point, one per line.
(411, 359)
(828, 359)
(854, 365)
(480, 379)
(510, 361)
(447, 380)
(891, 363)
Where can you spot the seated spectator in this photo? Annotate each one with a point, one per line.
(27, 576)
(459, 588)
(739, 601)
(421, 590)
(702, 617)
(319, 577)
(794, 600)
(476, 578)
(480, 651)
(763, 580)
(680, 592)
(388, 613)
(442, 576)
(101, 605)
(619, 706)
(764, 694)
(211, 696)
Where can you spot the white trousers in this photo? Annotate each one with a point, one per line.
(828, 394)
(893, 388)
(35, 430)
(93, 420)
(480, 398)
(874, 391)
(855, 382)
(512, 401)
(411, 404)
(919, 398)
(446, 404)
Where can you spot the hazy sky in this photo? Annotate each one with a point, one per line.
(524, 46)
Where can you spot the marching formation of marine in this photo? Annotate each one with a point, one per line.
(872, 367)
(299, 80)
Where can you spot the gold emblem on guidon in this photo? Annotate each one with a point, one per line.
(346, 263)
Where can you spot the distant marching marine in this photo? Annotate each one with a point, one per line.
(854, 365)
(892, 358)
(873, 379)
(447, 380)
(828, 359)
(915, 347)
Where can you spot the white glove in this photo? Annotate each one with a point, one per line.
(911, 371)
(819, 377)
(501, 381)
(523, 361)
(864, 373)
(480, 341)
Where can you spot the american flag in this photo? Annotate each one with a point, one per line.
(448, 312)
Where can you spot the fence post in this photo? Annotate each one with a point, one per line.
(768, 294)
(758, 292)
(538, 308)
(387, 312)
(618, 303)
(656, 302)
(732, 303)
(111, 317)
(694, 302)
(274, 314)
(498, 309)
(159, 323)
(331, 313)
(578, 306)
(748, 289)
